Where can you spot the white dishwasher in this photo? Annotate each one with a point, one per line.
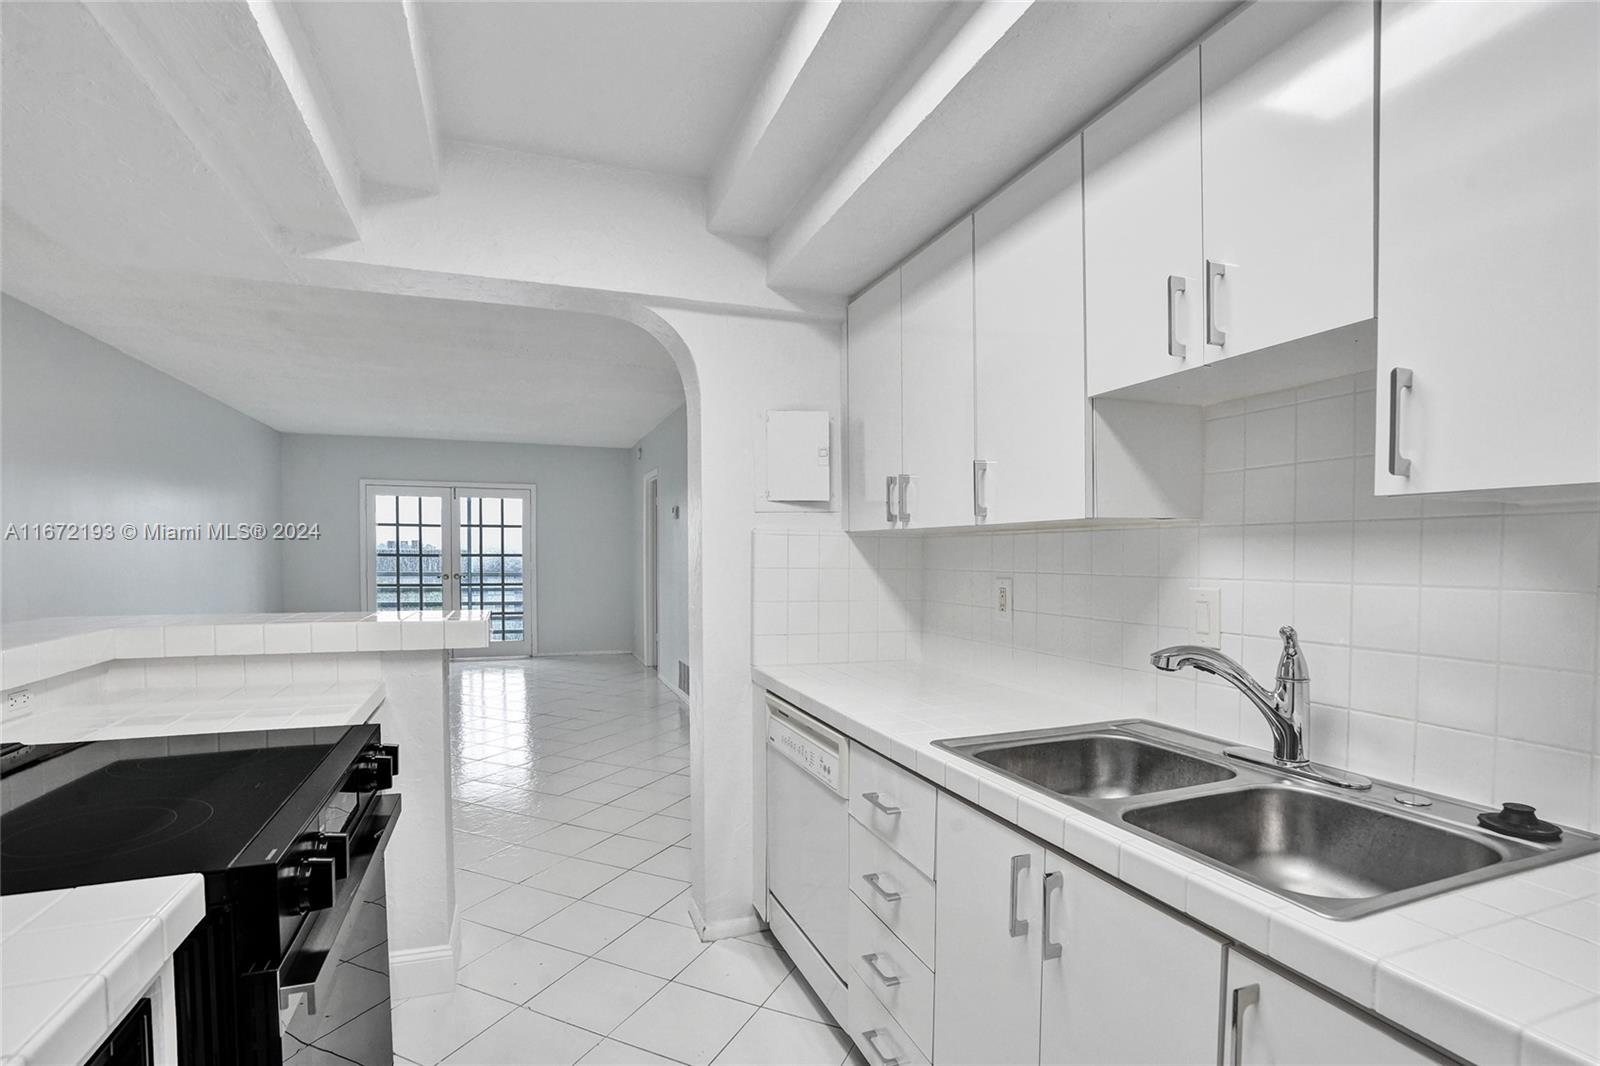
(808, 848)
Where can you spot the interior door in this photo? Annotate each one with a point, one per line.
(494, 563)
(437, 547)
(410, 540)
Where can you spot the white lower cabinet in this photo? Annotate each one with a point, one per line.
(1274, 1020)
(1111, 960)
(893, 973)
(986, 984)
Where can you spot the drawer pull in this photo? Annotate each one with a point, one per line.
(1054, 881)
(888, 895)
(1019, 866)
(1244, 997)
(877, 800)
(889, 979)
(871, 1037)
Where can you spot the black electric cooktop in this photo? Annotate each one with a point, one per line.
(148, 815)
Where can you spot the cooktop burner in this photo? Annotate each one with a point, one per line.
(148, 816)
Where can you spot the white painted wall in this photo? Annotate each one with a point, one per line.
(88, 434)
(585, 539)
(664, 449)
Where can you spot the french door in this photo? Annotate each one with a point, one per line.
(434, 547)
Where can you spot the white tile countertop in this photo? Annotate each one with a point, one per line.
(77, 959)
(185, 711)
(1507, 971)
(34, 651)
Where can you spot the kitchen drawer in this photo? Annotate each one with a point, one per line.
(901, 809)
(898, 893)
(877, 1034)
(894, 974)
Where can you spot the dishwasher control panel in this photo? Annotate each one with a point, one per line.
(814, 748)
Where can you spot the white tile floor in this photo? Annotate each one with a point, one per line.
(572, 854)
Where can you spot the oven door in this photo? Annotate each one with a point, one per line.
(333, 983)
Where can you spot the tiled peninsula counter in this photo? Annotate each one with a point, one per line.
(73, 679)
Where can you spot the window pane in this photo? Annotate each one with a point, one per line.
(383, 507)
(409, 508)
(431, 509)
(513, 513)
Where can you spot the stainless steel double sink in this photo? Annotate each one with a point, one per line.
(1342, 854)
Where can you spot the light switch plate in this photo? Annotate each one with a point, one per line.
(1002, 595)
(1205, 616)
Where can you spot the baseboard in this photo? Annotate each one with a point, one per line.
(426, 971)
(575, 654)
(728, 927)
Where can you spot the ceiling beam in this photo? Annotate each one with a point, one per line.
(235, 76)
(374, 60)
(833, 63)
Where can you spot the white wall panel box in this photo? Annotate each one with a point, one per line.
(799, 455)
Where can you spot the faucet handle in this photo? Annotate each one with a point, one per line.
(1292, 663)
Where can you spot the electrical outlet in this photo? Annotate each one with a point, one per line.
(16, 701)
(1206, 616)
(1002, 595)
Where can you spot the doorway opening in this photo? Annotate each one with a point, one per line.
(432, 546)
(651, 540)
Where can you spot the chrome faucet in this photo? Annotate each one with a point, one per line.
(1285, 707)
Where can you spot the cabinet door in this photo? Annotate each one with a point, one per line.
(1274, 1020)
(1487, 259)
(937, 361)
(873, 403)
(1118, 956)
(1141, 215)
(986, 983)
(1031, 420)
(1287, 148)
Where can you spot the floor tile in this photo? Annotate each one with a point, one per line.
(427, 1028)
(515, 863)
(470, 848)
(516, 909)
(676, 911)
(519, 969)
(596, 995)
(610, 819)
(660, 827)
(477, 940)
(613, 1053)
(575, 877)
(773, 1039)
(655, 947)
(524, 1038)
(570, 839)
(639, 893)
(624, 851)
(673, 862)
(738, 969)
(584, 927)
(474, 888)
(794, 996)
(685, 1024)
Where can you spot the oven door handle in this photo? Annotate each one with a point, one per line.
(309, 963)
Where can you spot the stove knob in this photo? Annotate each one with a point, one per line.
(312, 885)
(335, 846)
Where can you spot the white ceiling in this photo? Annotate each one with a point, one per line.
(652, 85)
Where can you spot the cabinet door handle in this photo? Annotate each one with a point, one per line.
(1054, 881)
(878, 801)
(889, 484)
(889, 979)
(1177, 285)
(871, 1037)
(888, 895)
(1399, 379)
(980, 488)
(1019, 866)
(1244, 997)
(905, 497)
(1215, 273)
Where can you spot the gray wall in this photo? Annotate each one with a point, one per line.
(665, 448)
(88, 434)
(584, 538)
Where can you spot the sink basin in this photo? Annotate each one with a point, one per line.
(1311, 844)
(1103, 766)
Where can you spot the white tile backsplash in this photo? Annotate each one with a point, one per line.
(1452, 643)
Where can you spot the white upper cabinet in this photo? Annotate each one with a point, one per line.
(1031, 413)
(1489, 246)
(986, 984)
(1142, 250)
(936, 377)
(1108, 956)
(872, 402)
(1286, 101)
(1273, 1020)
